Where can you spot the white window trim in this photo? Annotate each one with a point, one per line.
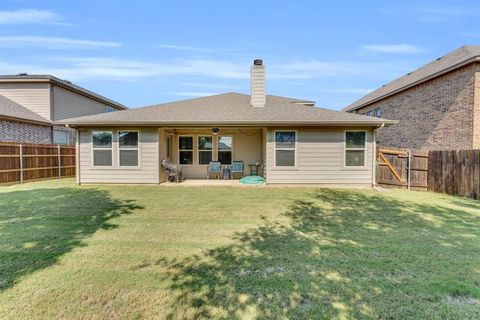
(64, 132)
(231, 151)
(100, 148)
(129, 148)
(198, 149)
(364, 149)
(193, 149)
(275, 149)
(379, 111)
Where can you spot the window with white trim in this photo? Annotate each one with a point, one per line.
(109, 109)
(224, 152)
(102, 148)
(285, 148)
(204, 149)
(377, 112)
(128, 148)
(355, 148)
(185, 149)
(60, 137)
(369, 113)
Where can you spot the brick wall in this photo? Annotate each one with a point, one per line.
(20, 132)
(12, 131)
(437, 114)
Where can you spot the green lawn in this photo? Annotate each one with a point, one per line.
(116, 252)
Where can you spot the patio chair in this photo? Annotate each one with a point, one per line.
(237, 167)
(214, 168)
(174, 171)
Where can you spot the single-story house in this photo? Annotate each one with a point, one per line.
(295, 141)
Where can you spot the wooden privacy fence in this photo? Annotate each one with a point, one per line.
(394, 164)
(27, 162)
(445, 171)
(455, 172)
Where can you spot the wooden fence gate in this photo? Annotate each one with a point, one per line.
(393, 168)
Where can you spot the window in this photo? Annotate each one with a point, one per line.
(60, 137)
(102, 148)
(225, 144)
(285, 144)
(185, 150)
(370, 113)
(128, 148)
(108, 109)
(355, 148)
(377, 112)
(204, 149)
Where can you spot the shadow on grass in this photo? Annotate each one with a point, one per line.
(38, 226)
(344, 254)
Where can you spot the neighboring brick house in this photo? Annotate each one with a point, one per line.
(437, 105)
(31, 104)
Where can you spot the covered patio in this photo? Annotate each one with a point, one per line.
(195, 148)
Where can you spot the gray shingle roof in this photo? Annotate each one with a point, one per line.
(227, 109)
(65, 83)
(11, 109)
(455, 59)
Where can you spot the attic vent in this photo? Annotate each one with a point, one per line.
(23, 74)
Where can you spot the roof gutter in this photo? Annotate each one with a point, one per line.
(231, 123)
(23, 120)
(430, 77)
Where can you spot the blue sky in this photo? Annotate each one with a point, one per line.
(148, 52)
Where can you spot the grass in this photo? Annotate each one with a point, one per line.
(108, 252)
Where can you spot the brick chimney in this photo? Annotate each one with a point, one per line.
(257, 78)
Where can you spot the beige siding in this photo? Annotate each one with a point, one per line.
(319, 159)
(247, 147)
(68, 104)
(33, 96)
(148, 172)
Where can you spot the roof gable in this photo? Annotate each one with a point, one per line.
(11, 109)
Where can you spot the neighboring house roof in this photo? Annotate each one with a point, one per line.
(228, 109)
(454, 60)
(12, 110)
(63, 83)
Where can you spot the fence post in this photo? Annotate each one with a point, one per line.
(59, 162)
(21, 163)
(409, 169)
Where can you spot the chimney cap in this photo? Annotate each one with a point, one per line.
(258, 62)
